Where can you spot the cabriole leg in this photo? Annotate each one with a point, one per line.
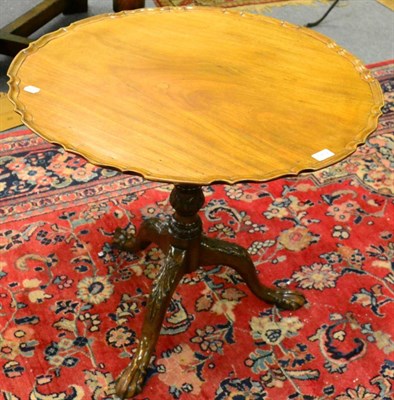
(214, 251)
(132, 378)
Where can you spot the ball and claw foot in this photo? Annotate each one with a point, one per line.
(287, 299)
(130, 382)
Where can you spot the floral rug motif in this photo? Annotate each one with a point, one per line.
(71, 307)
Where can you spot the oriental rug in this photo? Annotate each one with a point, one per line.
(71, 307)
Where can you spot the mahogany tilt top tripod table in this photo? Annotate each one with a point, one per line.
(194, 96)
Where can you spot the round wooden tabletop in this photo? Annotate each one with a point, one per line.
(196, 95)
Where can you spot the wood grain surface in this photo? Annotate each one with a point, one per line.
(195, 95)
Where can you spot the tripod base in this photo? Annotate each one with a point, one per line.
(186, 249)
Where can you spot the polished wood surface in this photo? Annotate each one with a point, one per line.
(196, 95)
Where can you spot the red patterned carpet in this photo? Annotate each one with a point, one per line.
(71, 307)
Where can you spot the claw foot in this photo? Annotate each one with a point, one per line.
(130, 381)
(287, 299)
(123, 240)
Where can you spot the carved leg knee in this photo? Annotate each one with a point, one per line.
(151, 231)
